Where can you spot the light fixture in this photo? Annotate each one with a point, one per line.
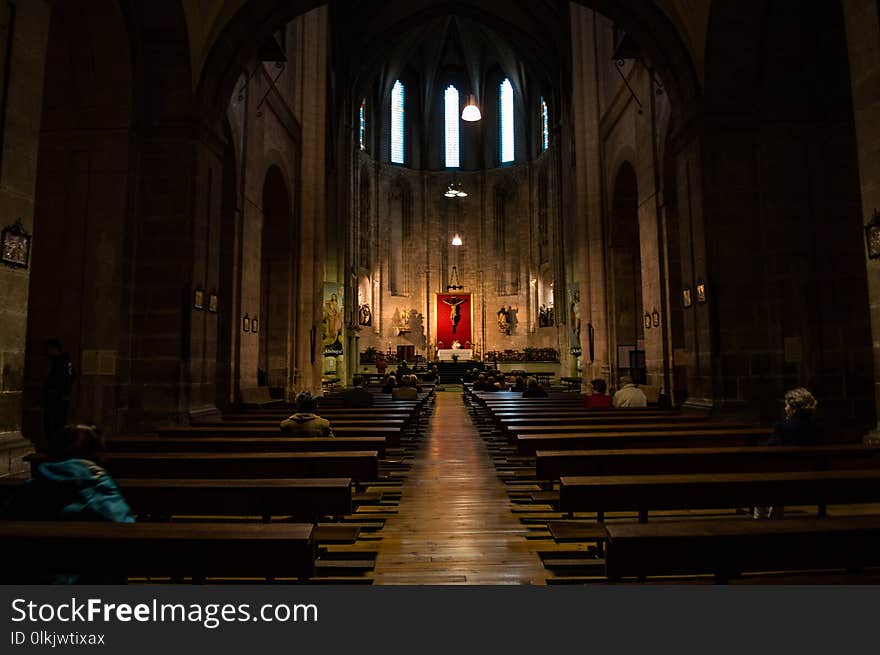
(454, 191)
(456, 240)
(471, 112)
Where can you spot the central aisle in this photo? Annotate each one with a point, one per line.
(454, 524)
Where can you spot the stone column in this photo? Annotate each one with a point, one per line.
(863, 41)
(24, 29)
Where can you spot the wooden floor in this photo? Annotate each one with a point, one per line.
(454, 524)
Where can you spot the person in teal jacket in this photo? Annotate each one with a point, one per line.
(71, 486)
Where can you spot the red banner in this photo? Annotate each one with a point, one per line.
(454, 320)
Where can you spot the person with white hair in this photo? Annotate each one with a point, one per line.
(629, 395)
(799, 425)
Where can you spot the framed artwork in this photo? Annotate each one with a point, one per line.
(254, 325)
(246, 323)
(212, 302)
(199, 299)
(701, 292)
(655, 318)
(15, 246)
(686, 298)
(872, 236)
(647, 321)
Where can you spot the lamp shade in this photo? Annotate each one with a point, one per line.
(456, 240)
(471, 112)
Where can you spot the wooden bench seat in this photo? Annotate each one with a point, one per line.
(649, 461)
(165, 498)
(729, 548)
(646, 493)
(391, 434)
(529, 444)
(361, 466)
(277, 444)
(176, 550)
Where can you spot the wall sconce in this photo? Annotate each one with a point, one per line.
(246, 323)
(655, 318)
(872, 236)
(647, 321)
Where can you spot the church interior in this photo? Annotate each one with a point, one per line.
(388, 292)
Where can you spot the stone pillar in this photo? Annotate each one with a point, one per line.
(590, 258)
(313, 200)
(863, 43)
(24, 29)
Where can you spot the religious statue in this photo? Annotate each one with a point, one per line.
(504, 320)
(455, 304)
(365, 316)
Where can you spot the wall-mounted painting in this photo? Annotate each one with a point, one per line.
(332, 323)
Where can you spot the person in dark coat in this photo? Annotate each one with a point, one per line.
(56, 390)
(533, 389)
(799, 426)
(797, 429)
(357, 396)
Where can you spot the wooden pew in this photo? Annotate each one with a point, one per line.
(278, 444)
(716, 437)
(391, 434)
(647, 493)
(729, 548)
(176, 550)
(649, 461)
(163, 497)
(568, 424)
(513, 435)
(360, 466)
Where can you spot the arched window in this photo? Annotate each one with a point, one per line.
(362, 124)
(398, 105)
(450, 98)
(545, 125)
(505, 113)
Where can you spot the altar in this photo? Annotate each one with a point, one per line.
(463, 354)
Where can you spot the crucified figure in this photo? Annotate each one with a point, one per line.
(455, 304)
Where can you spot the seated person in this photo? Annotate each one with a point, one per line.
(70, 486)
(533, 389)
(519, 384)
(357, 396)
(305, 423)
(597, 399)
(389, 383)
(629, 395)
(799, 426)
(480, 383)
(492, 384)
(406, 390)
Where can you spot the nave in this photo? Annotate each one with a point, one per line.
(454, 524)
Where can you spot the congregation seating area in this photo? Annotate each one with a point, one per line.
(237, 500)
(623, 495)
